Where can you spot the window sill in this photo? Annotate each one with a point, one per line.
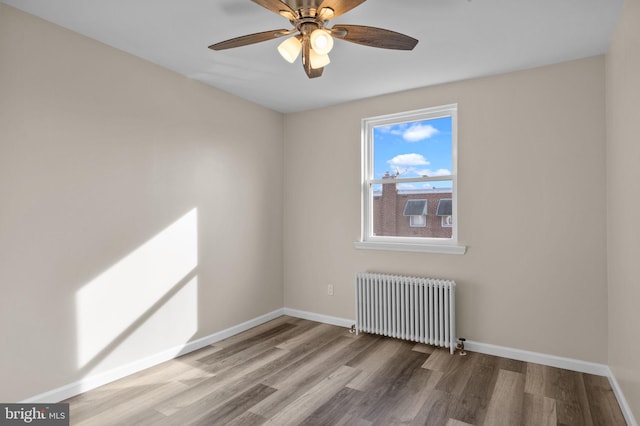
(423, 248)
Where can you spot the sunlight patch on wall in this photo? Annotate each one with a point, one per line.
(148, 298)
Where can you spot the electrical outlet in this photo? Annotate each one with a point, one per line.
(330, 289)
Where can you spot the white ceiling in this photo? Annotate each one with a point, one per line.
(458, 39)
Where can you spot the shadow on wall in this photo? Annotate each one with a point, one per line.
(145, 303)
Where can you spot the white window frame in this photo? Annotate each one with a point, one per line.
(368, 240)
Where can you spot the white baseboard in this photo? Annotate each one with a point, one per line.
(624, 405)
(539, 358)
(96, 380)
(326, 319)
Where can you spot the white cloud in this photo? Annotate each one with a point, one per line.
(419, 132)
(409, 160)
(432, 173)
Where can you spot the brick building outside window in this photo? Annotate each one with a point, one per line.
(412, 212)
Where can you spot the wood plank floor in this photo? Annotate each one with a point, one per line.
(296, 372)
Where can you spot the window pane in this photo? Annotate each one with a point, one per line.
(390, 202)
(413, 149)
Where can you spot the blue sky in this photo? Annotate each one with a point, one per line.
(413, 150)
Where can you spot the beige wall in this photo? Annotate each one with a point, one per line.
(135, 204)
(623, 187)
(531, 155)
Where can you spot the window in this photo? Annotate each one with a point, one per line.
(409, 170)
(416, 221)
(417, 211)
(445, 211)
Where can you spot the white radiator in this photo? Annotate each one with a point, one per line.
(411, 308)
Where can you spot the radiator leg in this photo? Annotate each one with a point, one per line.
(460, 346)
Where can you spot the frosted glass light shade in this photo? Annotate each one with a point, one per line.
(321, 41)
(318, 61)
(290, 49)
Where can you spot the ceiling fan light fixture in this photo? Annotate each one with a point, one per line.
(290, 49)
(310, 35)
(318, 61)
(321, 41)
(326, 13)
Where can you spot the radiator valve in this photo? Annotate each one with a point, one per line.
(460, 346)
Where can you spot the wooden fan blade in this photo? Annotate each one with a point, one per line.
(276, 6)
(306, 63)
(374, 37)
(340, 6)
(248, 39)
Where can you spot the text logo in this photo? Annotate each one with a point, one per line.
(34, 414)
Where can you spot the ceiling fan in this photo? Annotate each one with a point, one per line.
(313, 37)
